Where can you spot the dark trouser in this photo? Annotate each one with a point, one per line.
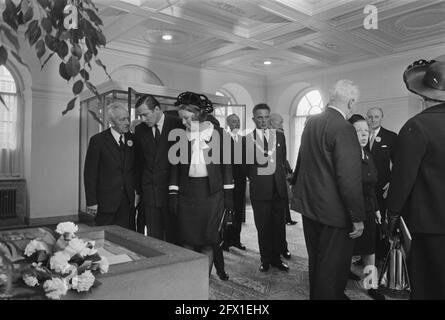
(160, 223)
(140, 219)
(233, 236)
(330, 252)
(382, 245)
(124, 215)
(287, 219)
(426, 267)
(218, 258)
(269, 222)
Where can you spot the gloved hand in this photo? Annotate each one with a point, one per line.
(228, 199)
(393, 223)
(173, 203)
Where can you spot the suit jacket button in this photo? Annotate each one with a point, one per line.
(122, 188)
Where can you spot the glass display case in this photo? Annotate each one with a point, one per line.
(93, 118)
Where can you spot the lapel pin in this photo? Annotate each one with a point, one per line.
(130, 143)
(378, 139)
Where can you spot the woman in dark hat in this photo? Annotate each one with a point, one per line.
(417, 185)
(203, 185)
(365, 245)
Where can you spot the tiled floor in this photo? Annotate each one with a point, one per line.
(248, 283)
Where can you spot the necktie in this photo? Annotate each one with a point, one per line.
(371, 140)
(157, 134)
(122, 148)
(265, 143)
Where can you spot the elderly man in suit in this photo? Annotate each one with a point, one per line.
(233, 236)
(265, 165)
(417, 185)
(109, 171)
(329, 193)
(153, 166)
(381, 146)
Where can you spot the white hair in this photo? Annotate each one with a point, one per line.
(344, 90)
(112, 107)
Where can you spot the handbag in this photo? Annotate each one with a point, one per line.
(394, 273)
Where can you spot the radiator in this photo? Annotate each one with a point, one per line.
(8, 203)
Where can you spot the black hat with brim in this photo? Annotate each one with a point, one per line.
(426, 79)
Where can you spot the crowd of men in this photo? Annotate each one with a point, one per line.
(127, 182)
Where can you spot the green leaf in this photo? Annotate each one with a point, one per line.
(72, 66)
(12, 38)
(10, 5)
(62, 71)
(69, 106)
(40, 48)
(44, 3)
(94, 17)
(76, 51)
(10, 18)
(47, 59)
(84, 74)
(87, 56)
(28, 14)
(93, 89)
(95, 117)
(100, 64)
(62, 49)
(101, 38)
(3, 55)
(51, 42)
(46, 24)
(78, 87)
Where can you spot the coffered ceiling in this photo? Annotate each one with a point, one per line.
(293, 35)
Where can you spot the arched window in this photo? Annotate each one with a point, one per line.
(311, 103)
(221, 113)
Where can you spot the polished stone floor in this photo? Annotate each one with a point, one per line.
(246, 282)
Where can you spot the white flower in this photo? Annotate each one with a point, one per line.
(66, 227)
(30, 280)
(35, 245)
(59, 262)
(83, 282)
(104, 265)
(55, 288)
(78, 246)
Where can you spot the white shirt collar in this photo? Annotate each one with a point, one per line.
(335, 108)
(117, 135)
(259, 133)
(376, 132)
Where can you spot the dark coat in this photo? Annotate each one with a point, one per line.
(219, 174)
(417, 188)
(329, 183)
(261, 185)
(105, 175)
(382, 154)
(152, 164)
(370, 177)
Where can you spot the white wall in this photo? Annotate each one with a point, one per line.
(53, 141)
(380, 81)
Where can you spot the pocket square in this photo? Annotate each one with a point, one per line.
(384, 146)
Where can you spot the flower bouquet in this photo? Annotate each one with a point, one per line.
(55, 266)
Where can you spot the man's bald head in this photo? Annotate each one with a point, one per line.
(276, 121)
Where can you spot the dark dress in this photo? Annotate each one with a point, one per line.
(367, 242)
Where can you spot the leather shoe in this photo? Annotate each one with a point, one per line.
(264, 267)
(239, 246)
(280, 266)
(286, 254)
(222, 275)
(291, 222)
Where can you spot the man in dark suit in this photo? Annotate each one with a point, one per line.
(381, 146)
(276, 122)
(109, 172)
(417, 186)
(233, 236)
(153, 166)
(329, 193)
(265, 167)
